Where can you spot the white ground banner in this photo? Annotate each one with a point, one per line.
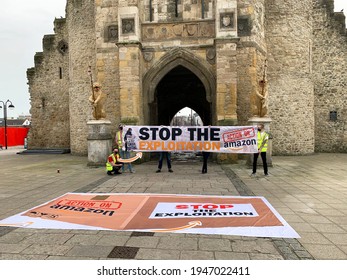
(229, 215)
(217, 139)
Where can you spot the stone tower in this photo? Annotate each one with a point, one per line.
(154, 57)
(289, 44)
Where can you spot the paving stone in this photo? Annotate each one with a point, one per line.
(14, 256)
(113, 240)
(290, 256)
(315, 219)
(337, 238)
(114, 233)
(231, 256)
(255, 256)
(257, 246)
(13, 237)
(344, 249)
(12, 248)
(178, 243)
(313, 238)
(303, 227)
(296, 246)
(83, 239)
(143, 242)
(303, 254)
(196, 255)
(329, 228)
(89, 251)
(338, 220)
(42, 249)
(325, 252)
(47, 238)
(210, 244)
(69, 258)
(157, 254)
(285, 249)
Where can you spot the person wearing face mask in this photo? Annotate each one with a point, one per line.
(114, 163)
(263, 139)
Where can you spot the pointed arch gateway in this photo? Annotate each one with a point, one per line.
(179, 79)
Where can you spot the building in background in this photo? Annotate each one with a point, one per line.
(155, 57)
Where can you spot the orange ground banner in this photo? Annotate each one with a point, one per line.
(233, 215)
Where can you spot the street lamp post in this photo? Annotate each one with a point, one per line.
(11, 106)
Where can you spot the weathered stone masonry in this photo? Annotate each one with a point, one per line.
(216, 49)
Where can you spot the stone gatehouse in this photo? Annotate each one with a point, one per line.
(154, 57)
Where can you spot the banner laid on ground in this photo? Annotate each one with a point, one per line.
(230, 215)
(217, 139)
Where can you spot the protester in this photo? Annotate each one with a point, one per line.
(263, 139)
(114, 163)
(168, 161)
(205, 156)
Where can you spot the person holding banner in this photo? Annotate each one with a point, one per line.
(263, 139)
(168, 161)
(205, 156)
(123, 151)
(114, 163)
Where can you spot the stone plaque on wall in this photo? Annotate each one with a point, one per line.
(227, 20)
(128, 25)
(172, 31)
(111, 33)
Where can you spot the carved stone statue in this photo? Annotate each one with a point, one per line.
(262, 102)
(98, 99)
(261, 92)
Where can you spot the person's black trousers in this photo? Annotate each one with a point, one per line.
(168, 160)
(255, 159)
(205, 156)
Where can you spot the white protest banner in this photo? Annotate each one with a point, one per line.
(217, 139)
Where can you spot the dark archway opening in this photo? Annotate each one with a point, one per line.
(177, 89)
(186, 117)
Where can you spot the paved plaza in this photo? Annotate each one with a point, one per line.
(310, 192)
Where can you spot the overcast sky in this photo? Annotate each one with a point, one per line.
(23, 23)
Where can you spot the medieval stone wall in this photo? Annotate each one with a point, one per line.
(48, 87)
(107, 68)
(329, 68)
(251, 55)
(291, 98)
(82, 50)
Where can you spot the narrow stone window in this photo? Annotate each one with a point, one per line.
(176, 8)
(60, 73)
(333, 116)
(150, 11)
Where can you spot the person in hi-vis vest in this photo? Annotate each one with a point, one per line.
(263, 139)
(123, 151)
(113, 163)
